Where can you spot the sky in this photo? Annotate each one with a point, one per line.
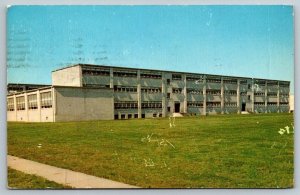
(246, 41)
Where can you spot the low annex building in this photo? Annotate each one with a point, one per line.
(93, 92)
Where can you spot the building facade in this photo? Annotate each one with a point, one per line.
(92, 92)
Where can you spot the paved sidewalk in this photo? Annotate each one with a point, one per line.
(62, 176)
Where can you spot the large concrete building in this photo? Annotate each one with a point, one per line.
(92, 92)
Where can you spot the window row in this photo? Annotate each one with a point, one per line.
(150, 75)
(96, 72)
(194, 78)
(230, 104)
(213, 92)
(259, 103)
(177, 90)
(213, 104)
(213, 80)
(230, 92)
(259, 94)
(230, 81)
(272, 94)
(284, 95)
(195, 104)
(176, 77)
(284, 103)
(125, 73)
(125, 89)
(126, 105)
(95, 86)
(151, 90)
(152, 104)
(194, 91)
(45, 101)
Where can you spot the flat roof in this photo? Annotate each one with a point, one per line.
(169, 71)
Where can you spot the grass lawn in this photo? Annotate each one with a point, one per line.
(223, 151)
(20, 180)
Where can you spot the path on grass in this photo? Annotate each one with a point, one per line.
(62, 176)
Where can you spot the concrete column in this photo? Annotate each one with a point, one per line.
(80, 76)
(26, 105)
(164, 95)
(53, 94)
(15, 106)
(222, 96)
(38, 96)
(252, 95)
(185, 94)
(111, 78)
(204, 95)
(238, 96)
(139, 95)
(278, 96)
(266, 97)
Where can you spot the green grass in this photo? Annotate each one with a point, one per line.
(20, 180)
(224, 151)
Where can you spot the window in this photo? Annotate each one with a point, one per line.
(143, 115)
(177, 90)
(125, 88)
(32, 102)
(95, 86)
(151, 75)
(249, 86)
(169, 109)
(249, 97)
(95, 72)
(230, 81)
(10, 104)
(116, 116)
(125, 73)
(194, 91)
(272, 83)
(136, 116)
(197, 78)
(151, 104)
(230, 104)
(195, 104)
(176, 77)
(284, 95)
(151, 90)
(259, 103)
(46, 100)
(259, 94)
(243, 93)
(168, 81)
(284, 84)
(272, 103)
(213, 92)
(168, 95)
(160, 115)
(284, 103)
(272, 94)
(154, 115)
(213, 104)
(20, 103)
(123, 116)
(129, 116)
(230, 92)
(126, 105)
(213, 80)
(243, 82)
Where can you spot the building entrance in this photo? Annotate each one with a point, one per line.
(177, 107)
(243, 106)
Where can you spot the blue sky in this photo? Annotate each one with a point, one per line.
(250, 41)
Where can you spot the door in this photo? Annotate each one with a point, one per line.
(243, 106)
(177, 107)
